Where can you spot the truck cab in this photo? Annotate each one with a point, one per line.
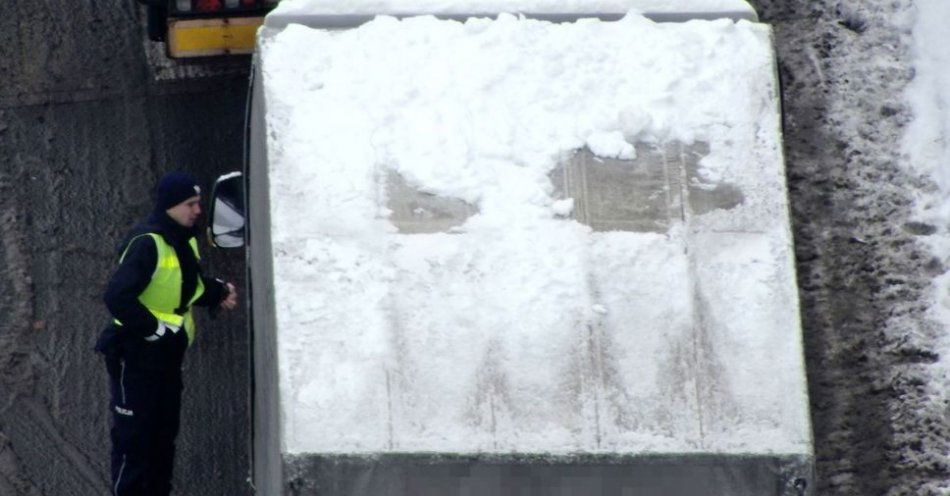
(203, 28)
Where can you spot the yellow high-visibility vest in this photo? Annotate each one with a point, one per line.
(163, 294)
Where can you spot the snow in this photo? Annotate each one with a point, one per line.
(927, 144)
(521, 329)
(392, 7)
(611, 145)
(563, 207)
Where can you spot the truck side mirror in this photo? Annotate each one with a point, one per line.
(227, 211)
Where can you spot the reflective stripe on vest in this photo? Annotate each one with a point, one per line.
(163, 294)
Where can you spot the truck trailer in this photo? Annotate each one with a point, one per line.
(528, 248)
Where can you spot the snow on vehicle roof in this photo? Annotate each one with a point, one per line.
(394, 7)
(516, 236)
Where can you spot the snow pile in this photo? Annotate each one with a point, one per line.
(521, 330)
(926, 140)
(392, 7)
(927, 144)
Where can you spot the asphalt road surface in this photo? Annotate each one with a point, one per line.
(86, 127)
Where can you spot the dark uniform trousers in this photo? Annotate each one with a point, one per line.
(145, 411)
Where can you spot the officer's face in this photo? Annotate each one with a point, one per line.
(186, 212)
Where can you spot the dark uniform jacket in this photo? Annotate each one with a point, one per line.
(133, 275)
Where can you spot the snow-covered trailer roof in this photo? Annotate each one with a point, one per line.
(501, 243)
(335, 14)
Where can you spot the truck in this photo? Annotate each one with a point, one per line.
(204, 28)
(519, 248)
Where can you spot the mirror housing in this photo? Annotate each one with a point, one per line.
(228, 214)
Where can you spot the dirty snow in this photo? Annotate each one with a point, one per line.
(485, 339)
(927, 144)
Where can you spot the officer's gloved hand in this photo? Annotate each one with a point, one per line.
(163, 327)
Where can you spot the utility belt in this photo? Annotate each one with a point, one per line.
(176, 318)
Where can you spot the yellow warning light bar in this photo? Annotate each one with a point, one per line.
(207, 37)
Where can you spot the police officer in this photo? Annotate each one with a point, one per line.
(150, 297)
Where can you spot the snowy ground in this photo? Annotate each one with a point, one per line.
(869, 254)
(926, 146)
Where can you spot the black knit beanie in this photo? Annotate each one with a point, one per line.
(174, 188)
